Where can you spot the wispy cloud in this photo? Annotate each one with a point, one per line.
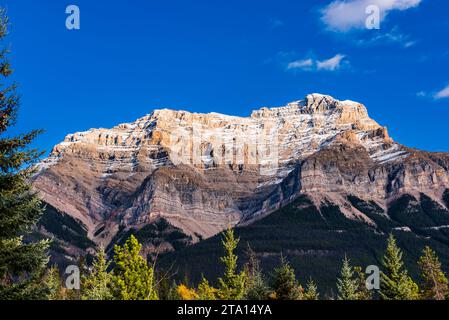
(442, 94)
(435, 95)
(344, 15)
(301, 64)
(394, 36)
(421, 94)
(331, 64)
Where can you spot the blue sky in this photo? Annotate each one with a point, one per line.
(131, 57)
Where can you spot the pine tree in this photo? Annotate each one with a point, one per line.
(311, 292)
(347, 285)
(435, 283)
(395, 282)
(22, 264)
(232, 284)
(132, 278)
(257, 288)
(97, 284)
(205, 291)
(284, 284)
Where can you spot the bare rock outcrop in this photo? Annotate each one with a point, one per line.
(205, 172)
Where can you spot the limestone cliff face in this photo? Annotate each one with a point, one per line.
(204, 172)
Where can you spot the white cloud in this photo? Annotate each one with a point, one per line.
(309, 64)
(345, 15)
(421, 94)
(301, 64)
(331, 64)
(442, 94)
(393, 36)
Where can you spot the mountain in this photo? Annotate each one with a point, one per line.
(176, 178)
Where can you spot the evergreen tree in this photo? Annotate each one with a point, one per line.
(363, 293)
(163, 288)
(232, 284)
(22, 264)
(257, 289)
(435, 283)
(173, 292)
(53, 282)
(395, 282)
(205, 291)
(347, 285)
(97, 284)
(284, 284)
(132, 278)
(311, 292)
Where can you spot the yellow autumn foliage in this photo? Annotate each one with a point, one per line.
(187, 293)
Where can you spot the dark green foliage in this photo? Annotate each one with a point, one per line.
(22, 264)
(65, 227)
(154, 234)
(256, 287)
(374, 212)
(446, 198)
(284, 283)
(314, 243)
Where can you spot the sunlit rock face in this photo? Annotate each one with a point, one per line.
(205, 172)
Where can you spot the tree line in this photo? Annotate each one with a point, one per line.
(132, 278)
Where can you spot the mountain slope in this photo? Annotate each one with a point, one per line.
(204, 172)
(316, 239)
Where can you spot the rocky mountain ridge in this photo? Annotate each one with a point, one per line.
(205, 172)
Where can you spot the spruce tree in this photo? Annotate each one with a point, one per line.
(395, 282)
(53, 282)
(132, 278)
(363, 293)
(206, 291)
(284, 283)
(347, 284)
(163, 287)
(311, 292)
(97, 284)
(257, 288)
(232, 284)
(173, 292)
(435, 283)
(22, 263)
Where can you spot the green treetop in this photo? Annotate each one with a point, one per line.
(232, 284)
(22, 265)
(395, 282)
(435, 283)
(132, 278)
(97, 284)
(347, 284)
(284, 284)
